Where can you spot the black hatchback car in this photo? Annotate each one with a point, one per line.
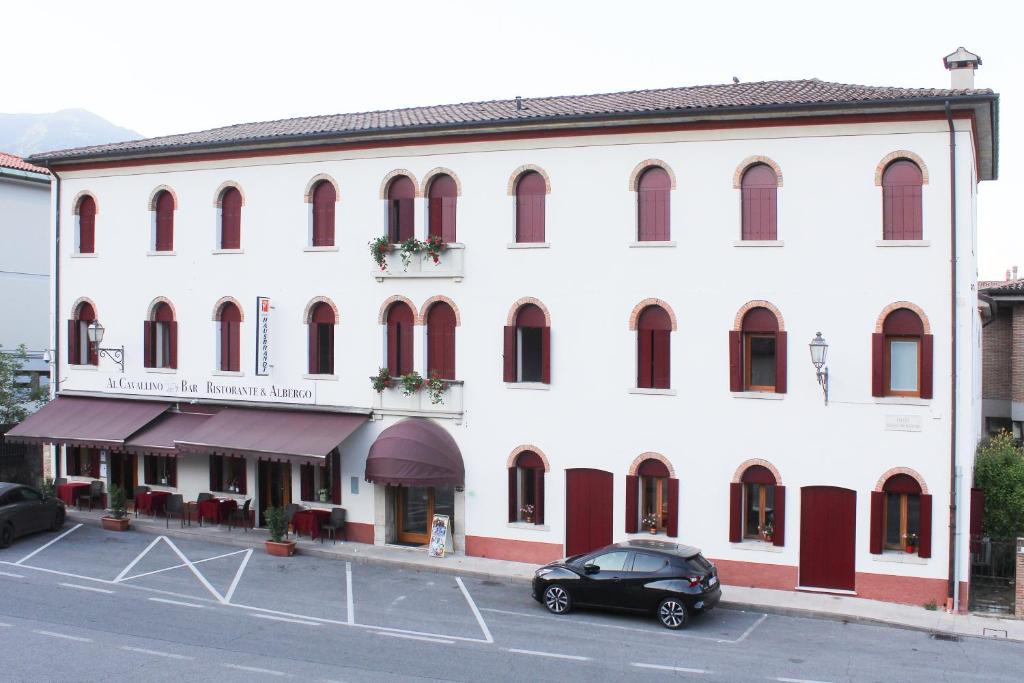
(23, 510)
(668, 579)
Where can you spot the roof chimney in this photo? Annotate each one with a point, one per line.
(961, 65)
(519, 103)
(1015, 272)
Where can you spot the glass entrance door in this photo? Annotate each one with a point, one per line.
(417, 506)
(275, 486)
(124, 473)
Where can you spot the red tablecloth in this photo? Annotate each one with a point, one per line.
(68, 492)
(308, 521)
(217, 509)
(151, 502)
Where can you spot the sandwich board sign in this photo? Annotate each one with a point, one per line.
(440, 536)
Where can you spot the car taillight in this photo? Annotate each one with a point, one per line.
(694, 581)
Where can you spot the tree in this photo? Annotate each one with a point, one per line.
(999, 472)
(15, 401)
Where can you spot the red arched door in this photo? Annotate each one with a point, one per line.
(828, 532)
(588, 510)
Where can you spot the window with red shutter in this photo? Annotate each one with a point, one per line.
(87, 225)
(902, 356)
(526, 489)
(531, 346)
(401, 207)
(400, 319)
(80, 350)
(324, 199)
(160, 338)
(321, 340)
(653, 190)
(653, 497)
(901, 517)
(164, 233)
(531, 191)
(653, 329)
(762, 517)
(901, 201)
(441, 198)
(758, 193)
(229, 321)
(441, 341)
(762, 352)
(231, 219)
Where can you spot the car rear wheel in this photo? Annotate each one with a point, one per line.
(58, 520)
(6, 535)
(672, 613)
(557, 599)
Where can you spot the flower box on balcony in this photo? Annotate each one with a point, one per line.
(449, 264)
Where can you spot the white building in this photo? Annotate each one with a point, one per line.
(625, 342)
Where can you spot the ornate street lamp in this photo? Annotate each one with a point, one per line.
(95, 333)
(819, 351)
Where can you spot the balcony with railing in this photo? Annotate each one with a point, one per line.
(398, 397)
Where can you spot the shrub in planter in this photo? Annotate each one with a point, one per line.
(379, 249)
(277, 526)
(411, 383)
(117, 520)
(381, 381)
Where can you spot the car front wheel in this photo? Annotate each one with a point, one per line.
(557, 599)
(672, 613)
(6, 535)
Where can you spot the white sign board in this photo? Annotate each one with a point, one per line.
(902, 423)
(262, 336)
(184, 388)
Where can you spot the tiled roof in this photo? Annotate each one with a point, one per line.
(19, 164)
(995, 287)
(769, 95)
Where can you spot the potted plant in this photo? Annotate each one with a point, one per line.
(650, 522)
(277, 545)
(768, 532)
(381, 381)
(379, 249)
(408, 249)
(48, 487)
(117, 520)
(527, 511)
(435, 388)
(411, 383)
(434, 246)
(325, 495)
(911, 543)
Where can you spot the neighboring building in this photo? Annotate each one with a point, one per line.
(1002, 354)
(621, 315)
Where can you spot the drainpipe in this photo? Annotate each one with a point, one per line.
(952, 589)
(55, 359)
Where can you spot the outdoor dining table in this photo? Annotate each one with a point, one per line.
(217, 509)
(68, 492)
(151, 502)
(309, 521)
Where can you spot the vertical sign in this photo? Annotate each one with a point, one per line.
(262, 335)
(440, 536)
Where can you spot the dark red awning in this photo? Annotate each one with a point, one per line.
(84, 421)
(158, 438)
(275, 433)
(415, 452)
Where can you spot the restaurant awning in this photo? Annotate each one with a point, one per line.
(275, 433)
(88, 422)
(415, 452)
(158, 437)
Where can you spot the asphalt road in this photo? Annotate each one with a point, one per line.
(89, 605)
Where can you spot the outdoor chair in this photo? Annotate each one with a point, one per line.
(93, 493)
(333, 524)
(204, 496)
(175, 506)
(289, 512)
(135, 497)
(241, 516)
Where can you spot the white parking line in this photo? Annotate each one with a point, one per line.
(403, 635)
(3, 625)
(138, 557)
(662, 667)
(52, 634)
(86, 588)
(155, 653)
(12, 575)
(290, 621)
(798, 680)
(238, 576)
(547, 654)
(256, 670)
(180, 603)
(587, 622)
(751, 629)
(349, 601)
(476, 613)
(46, 545)
(198, 574)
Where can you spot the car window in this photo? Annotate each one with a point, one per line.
(699, 564)
(648, 564)
(3, 501)
(13, 496)
(610, 562)
(30, 495)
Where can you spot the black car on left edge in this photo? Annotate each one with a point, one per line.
(23, 510)
(668, 579)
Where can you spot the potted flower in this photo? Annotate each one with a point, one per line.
(911, 542)
(277, 545)
(325, 495)
(768, 532)
(381, 381)
(379, 249)
(435, 388)
(408, 249)
(527, 511)
(117, 520)
(650, 522)
(411, 383)
(434, 246)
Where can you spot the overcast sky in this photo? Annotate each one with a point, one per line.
(161, 68)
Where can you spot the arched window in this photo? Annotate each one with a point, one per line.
(653, 348)
(321, 340)
(757, 507)
(163, 233)
(441, 341)
(441, 197)
(324, 198)
(526, 489)
(87, 225)
(160, 338)
(528, 347)
(230, 219)
(401, 207)
(400, 320)
(901, 201)
(759, 189)
(229, 323)
(757, 354)
(652, 499)
(530, 194)
(80, 351)
(901, 517)
(902, 357)
(653, 190)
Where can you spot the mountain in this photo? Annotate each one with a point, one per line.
(25, 134)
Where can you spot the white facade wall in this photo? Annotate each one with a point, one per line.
(24, 263)
(828, 275)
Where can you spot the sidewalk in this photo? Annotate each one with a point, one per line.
(791, 603)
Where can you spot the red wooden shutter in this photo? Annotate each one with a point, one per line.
(877, 522)
(231, 219)
(306, 491)
(661, 375)
(164, 222)
(924, 536)
(545, 355)
(735, 512)
(735, 361)
(172, 327)
(406, 359)
(513, 494)
(94, 464)
(448, 214)
(673, 507)
(86, 226)
(216, 478)
(878, 364)
(509, 361)
(530, 194)
(172, 471)
(314, 349)
(927, 352)
(324, 198)
(435, 219)
(779, 537)
(335, 457)
(644, 356)
(538, 487)
(149, 469)
(406, 208)
(73, 466)
(632, 503)
(73, 343)
(780, 362)
(241, 475)
(234, 347)
(149, 344)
